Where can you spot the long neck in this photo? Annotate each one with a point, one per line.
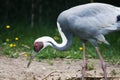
(66, 40)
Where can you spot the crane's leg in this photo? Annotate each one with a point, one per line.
(84, 61)
(103, 64)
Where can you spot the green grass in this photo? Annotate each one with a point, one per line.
(27, 35)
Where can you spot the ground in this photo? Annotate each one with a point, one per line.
(57, 69)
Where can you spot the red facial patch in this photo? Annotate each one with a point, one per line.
(38, 46)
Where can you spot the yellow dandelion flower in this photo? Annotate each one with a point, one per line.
(7, 39)
(14, 45)
(8, 26)
(80, 48)
(56, 37)
(25, 55)
(16, 38)
(11, 45)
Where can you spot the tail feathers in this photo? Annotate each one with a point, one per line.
(118, 18)
(115, 27)
(118, 22)
(118, 25)
(112, 27)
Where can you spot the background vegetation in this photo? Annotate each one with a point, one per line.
(22, 21)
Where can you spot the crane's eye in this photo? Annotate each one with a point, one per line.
(38, 46)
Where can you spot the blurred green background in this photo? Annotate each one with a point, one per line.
(22, 21)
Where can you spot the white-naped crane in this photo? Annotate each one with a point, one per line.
(89, 22)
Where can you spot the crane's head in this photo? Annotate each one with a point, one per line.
(39, 45)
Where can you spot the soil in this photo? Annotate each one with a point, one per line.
(57, 69)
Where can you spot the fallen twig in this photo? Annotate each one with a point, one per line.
(49, 75)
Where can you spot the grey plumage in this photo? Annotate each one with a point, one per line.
(90, 21)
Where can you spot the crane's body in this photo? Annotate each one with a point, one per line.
(96, 15)
(89, 22)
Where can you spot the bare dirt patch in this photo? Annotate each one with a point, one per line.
(57, 69)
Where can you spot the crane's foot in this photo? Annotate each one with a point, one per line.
(83, 69)
(103, 64)
(83, 74)
(82, 77)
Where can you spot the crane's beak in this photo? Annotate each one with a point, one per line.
(32, 56)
